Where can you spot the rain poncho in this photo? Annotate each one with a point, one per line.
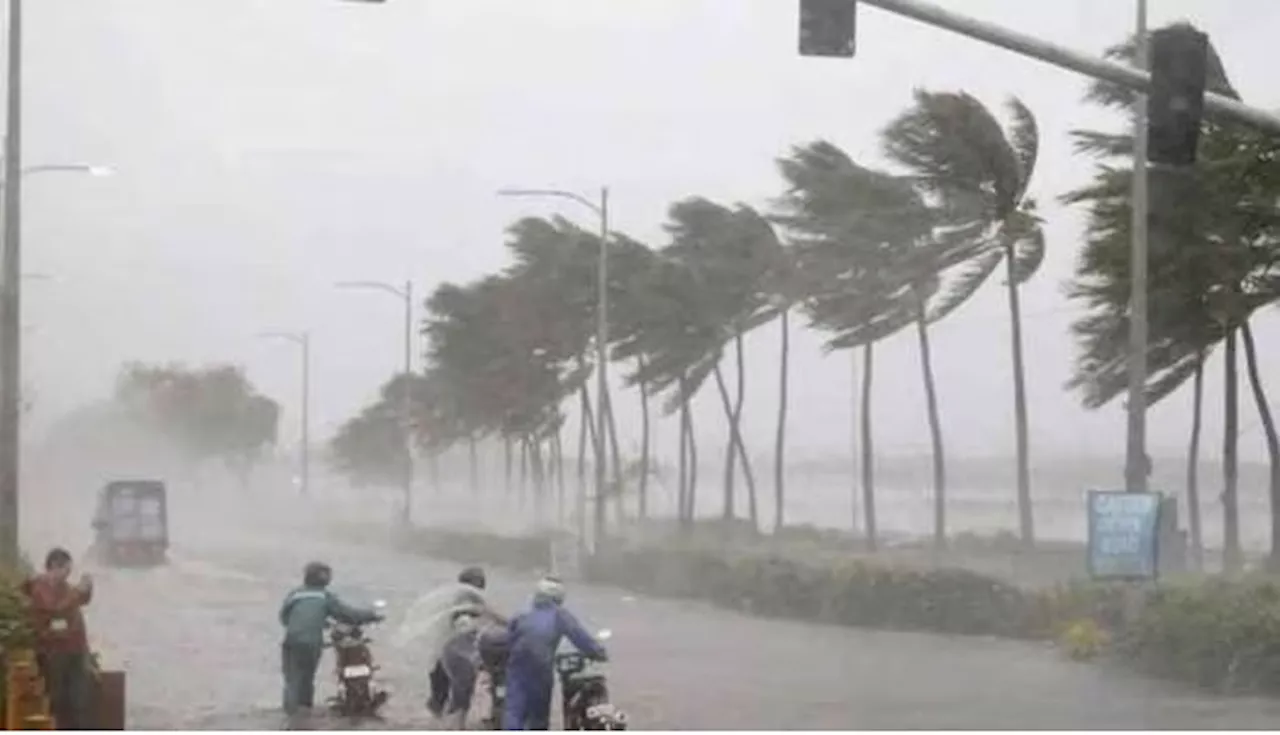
(533, 639)
(430, 619)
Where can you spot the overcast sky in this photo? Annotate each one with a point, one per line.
(267, 148)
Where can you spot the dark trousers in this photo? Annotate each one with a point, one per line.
(298, 665)
(453, 678)
(66, 679)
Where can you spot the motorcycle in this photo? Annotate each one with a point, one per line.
(358, 695)
(584, 693)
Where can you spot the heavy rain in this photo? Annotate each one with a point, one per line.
(782, 365)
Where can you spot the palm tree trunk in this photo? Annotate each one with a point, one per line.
(506, 462)
(1232, 558)
(753, 506)
(1193, 466)
(586, 430)
(868, 451)
(557, 447)
(539, 478)
(682, 494)
(731, 450)
(1026, 519)
(1273, 441)
(693, 470)
(473, 466)
(780, 440)
(643, 486)
(523, 487)
(614, 453)
(935, 436)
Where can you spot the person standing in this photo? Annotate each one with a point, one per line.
(534, 637)
(303, 615)
(62, 642)
(454, 615)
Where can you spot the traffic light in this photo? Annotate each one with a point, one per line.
(827, 27)
(1175, 106)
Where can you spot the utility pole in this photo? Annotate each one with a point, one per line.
(11, 299)
(1136, 467)
(303, 342)
(406, 403)
(406, 399)
(602, 364)
(305, 454)
(601, 209)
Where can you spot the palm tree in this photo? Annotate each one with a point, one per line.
(730, 251)
(954, 148)
(871, 259)
(1215, 241)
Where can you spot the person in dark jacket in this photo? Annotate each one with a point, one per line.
(533, 637)
(303, 614)
(62, 645)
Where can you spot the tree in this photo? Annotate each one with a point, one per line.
(730, 252)
(1213, 254)
(874, 259)
(955, 149)
(208, 413)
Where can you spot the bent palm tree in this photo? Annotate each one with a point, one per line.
(955, 148)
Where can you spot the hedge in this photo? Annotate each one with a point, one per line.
(1216, 633)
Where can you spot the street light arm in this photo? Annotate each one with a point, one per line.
(594, 207)
(375, 285)
(294, 337)
(86, 168)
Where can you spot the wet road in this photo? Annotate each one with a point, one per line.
(199, 640)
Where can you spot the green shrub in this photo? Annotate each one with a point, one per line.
(853, 592)
(1217, 633)
(15, 629)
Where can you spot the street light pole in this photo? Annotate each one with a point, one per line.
(303, 341)
(602, 346)
(11, 297)
(1136, 466)
(406, 398)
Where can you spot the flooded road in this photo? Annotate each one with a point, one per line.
(199, 640)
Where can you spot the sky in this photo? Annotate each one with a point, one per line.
(265, 149)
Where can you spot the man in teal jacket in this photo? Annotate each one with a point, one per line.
(303, 614)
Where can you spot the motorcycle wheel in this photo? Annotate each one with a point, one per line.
(358, 699)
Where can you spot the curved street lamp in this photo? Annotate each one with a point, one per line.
(405, 294)
(602, 343)
(303, 341)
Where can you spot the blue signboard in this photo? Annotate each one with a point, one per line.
(1122, 534)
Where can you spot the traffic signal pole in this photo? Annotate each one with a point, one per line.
(1021, 43)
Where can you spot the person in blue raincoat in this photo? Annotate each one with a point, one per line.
(533, 637)
(303, 614)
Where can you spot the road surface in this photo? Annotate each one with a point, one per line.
(199, 640)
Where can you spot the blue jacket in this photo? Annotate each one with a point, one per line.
(535, 635)
(306, 609)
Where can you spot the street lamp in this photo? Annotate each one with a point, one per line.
(302, 340)
(602, 339)
(406, 399)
